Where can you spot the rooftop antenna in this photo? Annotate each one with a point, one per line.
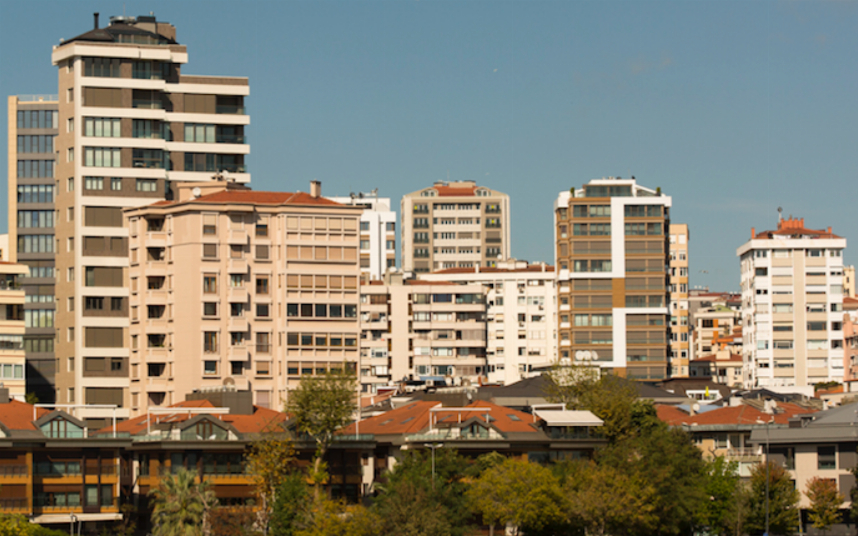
(780, 213)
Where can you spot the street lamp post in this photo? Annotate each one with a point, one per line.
(433, 446)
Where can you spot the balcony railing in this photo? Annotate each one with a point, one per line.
(13, 470)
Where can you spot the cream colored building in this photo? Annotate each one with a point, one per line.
(711, 324)
(422, 330)
(792, 306)
(12, 358)
(522, 316)
(849, 281)
(33, 123)
(680, 336)
(611, 251)
(234, 287)
(454, 225)
(130, 124)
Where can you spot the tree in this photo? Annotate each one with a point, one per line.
(783, 501)
(610, 397)
(720, 511)
(408, 503)
(290, 507)
(825, 502)
(18, 525)
(181, 505)
(321, 405)
(334, 518)
(517, 493)
(269, 461)
(234, 522)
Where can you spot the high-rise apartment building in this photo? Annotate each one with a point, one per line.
(422, 330)
(32, 128)
(792, 306)
(612, 261)
(130, 123)
(377, 233)
(849, 281)
(234, 287)
(454, 225)
(679, 325)
(522, 316)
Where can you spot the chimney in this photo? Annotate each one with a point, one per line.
(4, 394)
(95, 17)
(315, 189)
(753, 233)
(829, 229)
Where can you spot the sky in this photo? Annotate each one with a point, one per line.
(733, 108)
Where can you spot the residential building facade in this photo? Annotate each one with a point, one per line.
(33, 127)
(454, 225)
(234, 287)
(612, 257)
(711, 324)
(12, 330)
(680, 352)
(522, 316)
(129, 123)
(377, 233)
(792, 306)
(422, 330)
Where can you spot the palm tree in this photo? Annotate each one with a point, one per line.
(181, 506)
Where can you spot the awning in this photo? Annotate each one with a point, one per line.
(566, 417)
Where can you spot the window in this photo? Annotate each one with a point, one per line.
(236, 280)
(116, 184)
(101, 127)
(826, 457)
(262, 310)
(210, 342)
(261, 252)
(261, 285)
(93, 183)
(210, 284)
(210, 367)
(101, 67)
(147, 185)
(210, 309)
(198, 133)
(210, 251)
(102, 157)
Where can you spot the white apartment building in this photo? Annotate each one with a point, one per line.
(377, 233)
(792, 306)
(522, 316)
(421, 330)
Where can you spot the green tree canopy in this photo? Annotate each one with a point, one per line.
(518, 493)
(290, 509)
(720, 510)
(269, 462)
(181, 505)
(825, 502)
(783, 501)
(321, 405)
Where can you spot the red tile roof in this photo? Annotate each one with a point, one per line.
(670, 414)
(18, 415)
(734, 415)
(414, 418)
(794, 227)
(449, 191)
(250, 197)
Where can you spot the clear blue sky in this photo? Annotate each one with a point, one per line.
(733, 108)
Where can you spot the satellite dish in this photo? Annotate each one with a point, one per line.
(197, 192)
(593, 355)
(579, 355)
(229, 381)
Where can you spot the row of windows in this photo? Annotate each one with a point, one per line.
(786, 253)
(102, 157)
(321, 310)
(36, 243)
(38, 119)
(35, 218)
(35, 169)
(38, 318)
(36, 144)
(321, 339)
(36, 193)
(102, 127)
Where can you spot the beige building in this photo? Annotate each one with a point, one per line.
(12, 358)
(722, 367)
(454, 225)
(33, 122)
(849, 281)
(680, 352)
(422, 330)
(612, 250)
(234, 287)
(129, 120)
(522, 316)
(377, 233)
(792, 306)
(712, 324)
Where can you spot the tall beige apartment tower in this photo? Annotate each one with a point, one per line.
(792, 306)
(234, 287)
(454, 225)
(612, 258)
(130, 123)
(32, 129)
(680, 352)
